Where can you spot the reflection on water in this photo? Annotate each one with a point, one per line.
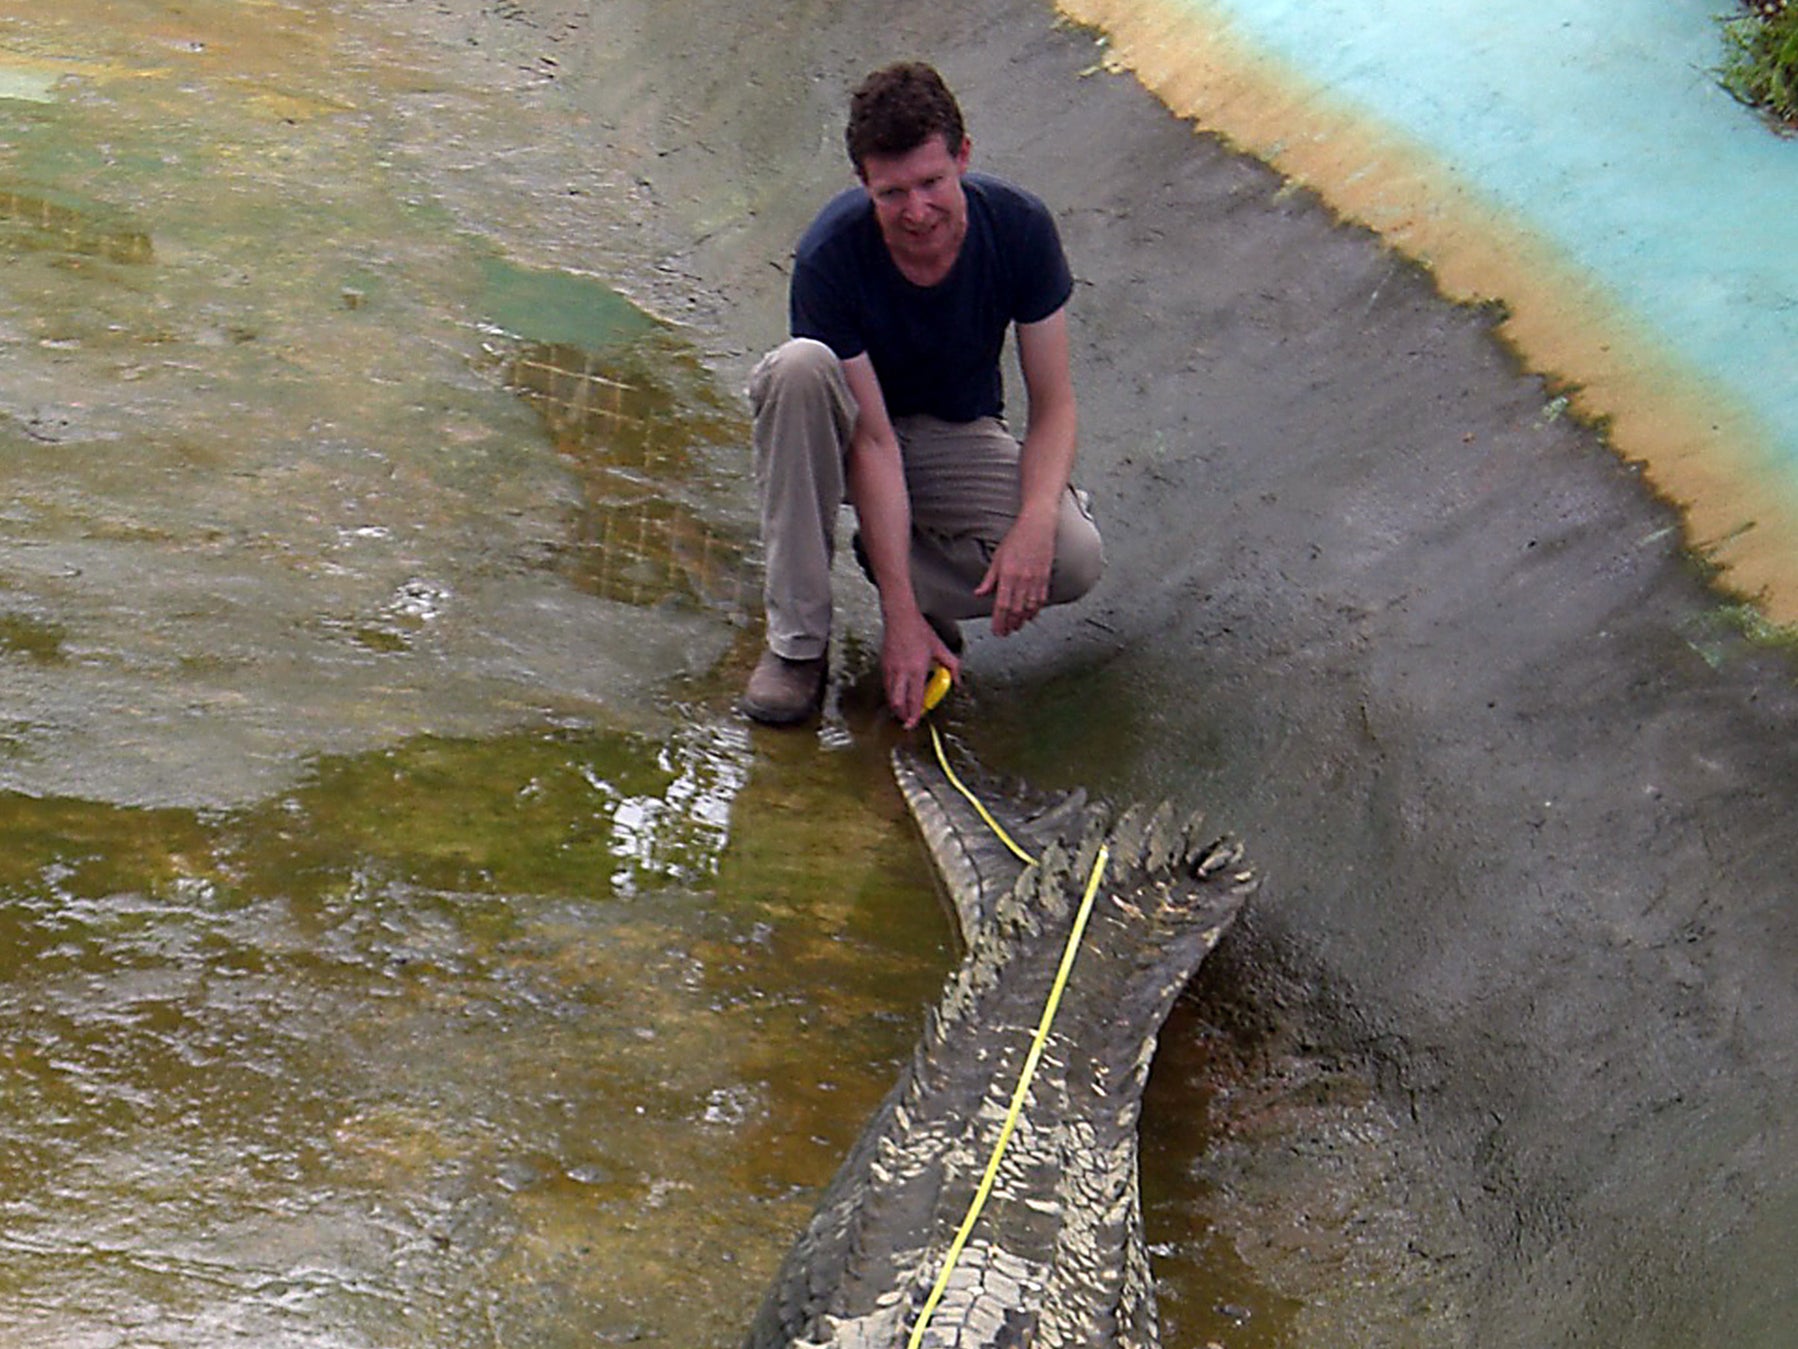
(30, 221)
(462, 1043)
(635, 422)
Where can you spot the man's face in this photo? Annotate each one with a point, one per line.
(918, 203)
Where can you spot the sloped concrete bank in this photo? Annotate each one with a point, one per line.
(1522, 792)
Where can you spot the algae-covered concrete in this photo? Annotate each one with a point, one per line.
(1520, 788)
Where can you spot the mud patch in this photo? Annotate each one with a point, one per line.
(1287, 1164)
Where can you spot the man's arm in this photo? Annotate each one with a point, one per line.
(1018, 576)
(883, 507)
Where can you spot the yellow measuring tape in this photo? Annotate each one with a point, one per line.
(1031, 1060)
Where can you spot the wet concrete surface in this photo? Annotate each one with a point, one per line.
(253, 450)
(1501, 1055)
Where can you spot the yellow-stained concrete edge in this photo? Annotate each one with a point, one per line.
(1699, 450)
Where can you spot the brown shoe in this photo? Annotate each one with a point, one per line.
(783, 691)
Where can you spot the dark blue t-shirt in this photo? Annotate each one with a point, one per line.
(936, 348)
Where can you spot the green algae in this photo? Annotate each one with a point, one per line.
(544, 306)
(1761, 69)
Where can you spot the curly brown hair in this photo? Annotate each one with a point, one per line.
(897, 109)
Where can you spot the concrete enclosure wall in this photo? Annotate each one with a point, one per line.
(1521, 792)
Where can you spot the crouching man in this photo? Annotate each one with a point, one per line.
(889, 395)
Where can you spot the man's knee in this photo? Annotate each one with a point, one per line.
(1079, 555)
(800, 365)
(1075, 573)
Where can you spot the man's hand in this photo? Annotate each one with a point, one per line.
(908, 650)
(1018, 576)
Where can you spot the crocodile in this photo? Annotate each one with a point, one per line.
(1057, 1256)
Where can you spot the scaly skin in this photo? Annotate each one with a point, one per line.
(1057, 1257)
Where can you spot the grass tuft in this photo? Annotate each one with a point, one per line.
(1762, 67)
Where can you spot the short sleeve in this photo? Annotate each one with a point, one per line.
(818, 307)
(1044, 278)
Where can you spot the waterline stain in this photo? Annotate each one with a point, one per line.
(1703, 444)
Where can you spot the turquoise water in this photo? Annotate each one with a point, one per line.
(1602, 126)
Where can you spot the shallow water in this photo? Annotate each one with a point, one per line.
(401, 943)
(467, 1042)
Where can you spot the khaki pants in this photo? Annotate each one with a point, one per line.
(962, 478)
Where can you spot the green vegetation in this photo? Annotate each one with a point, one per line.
(1748, 619)
(1762, 69)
